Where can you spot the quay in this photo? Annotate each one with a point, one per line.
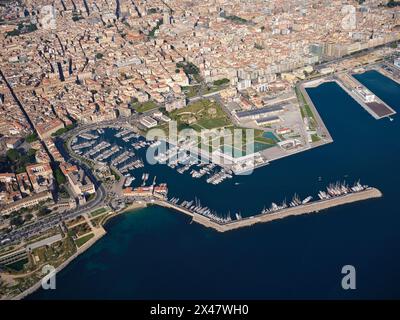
(370, 102)
(363, 96)
(313, 207)
(323, 130)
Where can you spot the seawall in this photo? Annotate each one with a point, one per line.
(313, 207)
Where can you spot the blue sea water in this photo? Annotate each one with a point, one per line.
(156, 253)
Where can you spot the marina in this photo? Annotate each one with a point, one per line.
(88, 136)
(353, 230)
(128, 152)
(106, 155)
(83, 145)
(211, 219)
(199, 151)
(128, 181)
(123, 155)
(135, 164)
(336, 194)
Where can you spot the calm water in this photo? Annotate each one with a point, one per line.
(157, 253)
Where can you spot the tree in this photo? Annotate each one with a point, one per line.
(60, 178)
(31, 152)
(188, 68)
(13, 155)
(17, 221)
(43, 211)
(31, 138)
(63, 130)
(153, 31)
(221, 82)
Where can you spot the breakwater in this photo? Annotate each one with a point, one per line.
(313, 207)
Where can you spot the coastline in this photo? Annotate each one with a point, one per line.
(244, 223)
(315, 207)
(86, 246)
(79, 251)
(132, 207)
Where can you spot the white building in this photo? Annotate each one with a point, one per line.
(148, 122)
(243, 84)
(365, 95)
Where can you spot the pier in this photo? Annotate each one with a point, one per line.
(324, 132)
(370, 102)
(364, 97)
(313, 207)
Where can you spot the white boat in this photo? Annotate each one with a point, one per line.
(128, 181)
(307, 200)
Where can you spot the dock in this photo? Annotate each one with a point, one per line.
(375, 107)
(369, 101)
(323, 130)
(313, 207)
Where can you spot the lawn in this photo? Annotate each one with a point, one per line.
(81, 241)
(259, 136)
(191, 91)
(221, 82)
(207, 114)
(98, 212)
(213, 123)
(145, 106)
(261, 142)
(315, 138)
(116, 175)
(204, 113)
(198, 90)
(305, 109)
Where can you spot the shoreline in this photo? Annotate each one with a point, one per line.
(81, 250)
(130, 208)
(315, 207)
(246, 222)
